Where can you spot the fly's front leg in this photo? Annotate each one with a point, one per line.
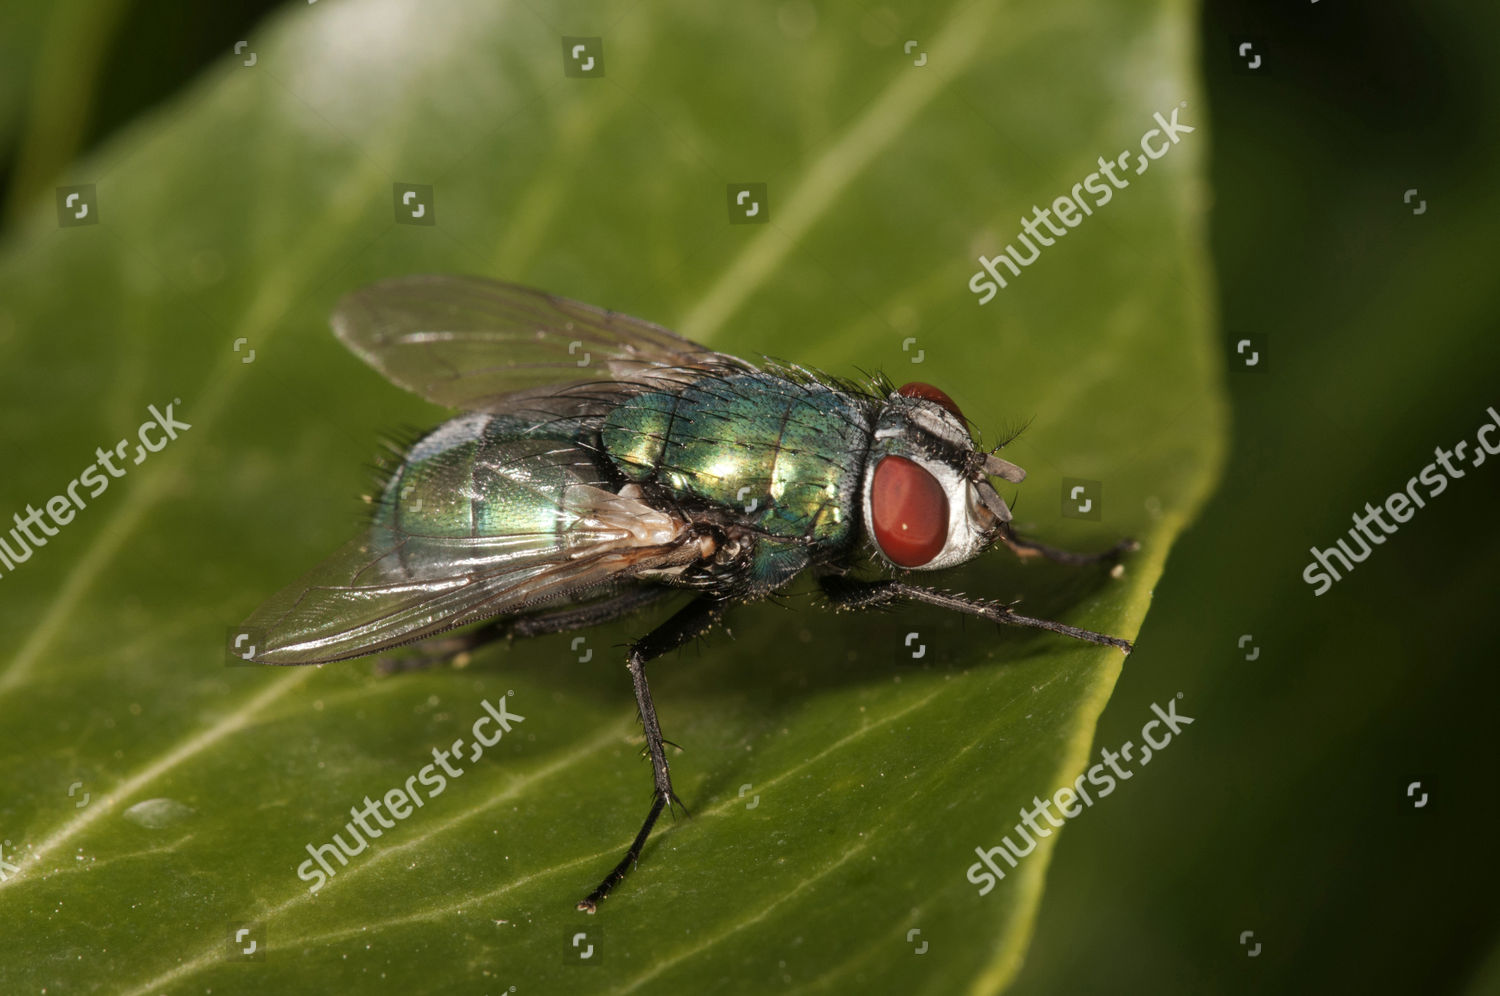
(846, 593)
(1024, 548)
(692, 621)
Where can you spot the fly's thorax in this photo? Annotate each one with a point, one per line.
(781, 455)
(920, 498)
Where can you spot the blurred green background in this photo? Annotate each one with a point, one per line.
(1284, 810)
(1289, 814)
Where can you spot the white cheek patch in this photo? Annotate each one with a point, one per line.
(965, 538)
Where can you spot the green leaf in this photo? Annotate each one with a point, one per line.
(51, 60)
(233, 220)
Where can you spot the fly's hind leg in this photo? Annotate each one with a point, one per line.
(692, 621)
(445, 649)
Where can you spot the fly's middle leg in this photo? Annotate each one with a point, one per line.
(692, 621)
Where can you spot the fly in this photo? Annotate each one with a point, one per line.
(603, 463)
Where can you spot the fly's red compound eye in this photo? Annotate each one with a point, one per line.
(909, 512)
(917, 389)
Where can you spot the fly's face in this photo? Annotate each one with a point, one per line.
(928, 502)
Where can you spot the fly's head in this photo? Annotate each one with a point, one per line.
(928, 500)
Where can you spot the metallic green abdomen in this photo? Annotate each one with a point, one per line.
(789, 453)
(488, 476)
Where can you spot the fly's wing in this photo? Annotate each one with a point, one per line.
(393, 587)
(482, 345)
